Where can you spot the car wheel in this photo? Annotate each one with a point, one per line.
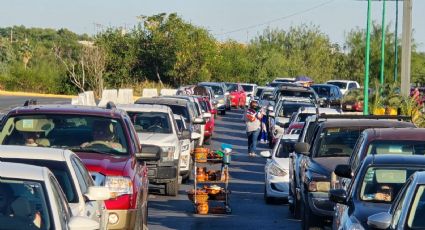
(172, 188)
(309, 220)
(267, 199)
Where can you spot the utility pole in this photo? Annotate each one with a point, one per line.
(367, 61)
(382, 46)
(406, 52)
(396, 43)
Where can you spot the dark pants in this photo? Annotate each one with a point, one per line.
(252, 140)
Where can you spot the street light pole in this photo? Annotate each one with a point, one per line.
(367, 60)
(382, 45)
(396, 42)
(406, 51)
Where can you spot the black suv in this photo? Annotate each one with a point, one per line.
(331, 142)
(329, 95)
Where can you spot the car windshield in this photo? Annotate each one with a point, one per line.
(217, 89)
(341, 85)
(322, 91)
(287, 109)
(23, 205)
(290, 93)
(259, 92)
(303, 116)
(248, 88)
(416, 218)
(151, 122)
(81, 133)
(61, 172)
(337, 142)
(267, 95)
(285, 148)
(180, 110)
(382, 184)
(404, 147)
(231, 87)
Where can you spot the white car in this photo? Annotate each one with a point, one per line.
(277, 168)
(344, 85)
(31, 198)
(84, 198)
(250, 90)
(304, 112)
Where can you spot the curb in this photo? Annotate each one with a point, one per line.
(23, 94)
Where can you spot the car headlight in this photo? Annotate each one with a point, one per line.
(119, 185)
(319, 186)
(168, 152)
(185, 147)
(276, 170)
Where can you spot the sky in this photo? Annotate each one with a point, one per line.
(240, 20)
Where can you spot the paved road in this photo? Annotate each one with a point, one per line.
(8, 102)
(249, 210)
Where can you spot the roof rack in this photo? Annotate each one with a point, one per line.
(377, 117)
(30, 102)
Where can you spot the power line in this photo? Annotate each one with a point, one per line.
(277, 19)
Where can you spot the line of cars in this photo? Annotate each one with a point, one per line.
(347, 171)
(100, 161)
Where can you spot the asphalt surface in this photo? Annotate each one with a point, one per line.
(249, 210)
(9, 102)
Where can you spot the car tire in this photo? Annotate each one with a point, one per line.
(310, 221)
(267, 199)
(172, 188)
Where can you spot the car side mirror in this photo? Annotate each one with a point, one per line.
(343, 171)
(379, 221)
(185, 134)
(195, 136)
(149, 153)
(266, 154)
(302, 148)
(82, 222)
(206, 115)
(199, 121)
(338, 196)
(97, 193)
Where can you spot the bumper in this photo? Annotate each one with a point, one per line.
(162, 174)
(277, 187)
(320, 204)
(126, 219)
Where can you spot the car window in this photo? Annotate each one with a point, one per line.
(248, 88)
(285, 148)
(352, 85)
(288, 93)
(322, 91)
(231, 87)
(83, 170)
(382, 184)
(287, 109)
(303, 116)
(356, 153)
(403, 147)
(416, 215)
(59, 199)
(134, 138)
(341, 85)
(81, 181)
(336, 142)
(151, 122)
(18, 192)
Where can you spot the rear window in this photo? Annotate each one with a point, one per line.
(382, 184)
(151, 122)
(306, 94)
(403, 147)
(248, 88)
(286, 110)
(341, 85)
(337, 142)
(180, 110)
(322, 91)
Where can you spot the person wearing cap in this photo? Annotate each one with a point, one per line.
(252, 117)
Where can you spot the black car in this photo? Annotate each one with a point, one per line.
(331, 142)
(377, 183)
(329, 95)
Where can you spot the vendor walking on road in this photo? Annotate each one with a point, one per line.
(252, 117)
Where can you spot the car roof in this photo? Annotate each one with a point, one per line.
(23, 171)
(410, 133)
(297, 102)
(321, 110)
(324, 85)
(211, 83)
(162, 100)
(67, 109)
(292, 137)
(248, 84)
(35, 153)
(335, 123)
(345, 81)
(419, 177)
(145, 108)
(394, 159)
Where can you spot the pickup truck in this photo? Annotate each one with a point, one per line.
(331, 143)
(106, 142)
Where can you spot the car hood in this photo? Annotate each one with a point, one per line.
(159, 139)
(326, 165)
(104, 163)
(365, 209)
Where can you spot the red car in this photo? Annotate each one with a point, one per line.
(237, 95)
(210, 121)
(115, 161)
